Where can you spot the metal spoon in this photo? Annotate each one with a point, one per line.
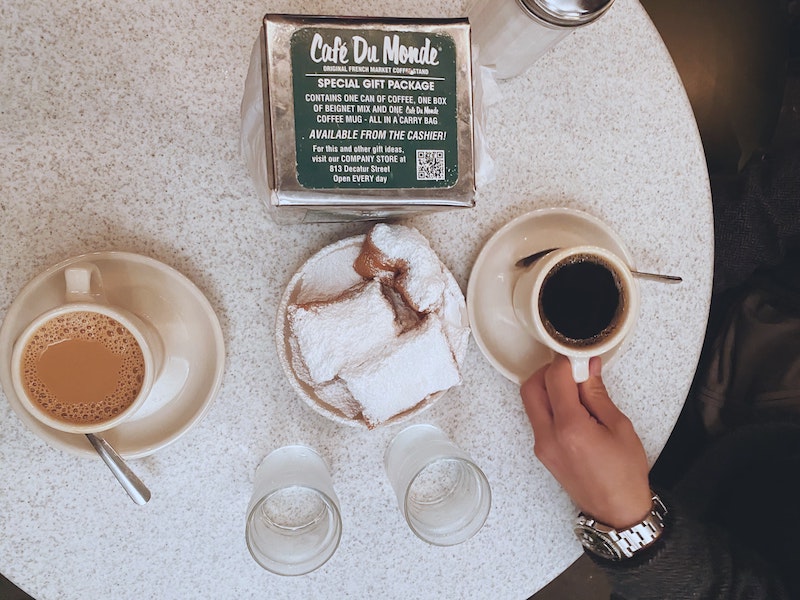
(532, 258)
(133, 485)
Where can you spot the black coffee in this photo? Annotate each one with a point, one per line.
(580, 301)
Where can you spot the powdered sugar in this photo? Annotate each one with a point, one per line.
(333, 335)
(407, 256)
(332, 275)
(417, 365)
(341, 366)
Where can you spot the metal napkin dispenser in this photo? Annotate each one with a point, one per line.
(366, 118)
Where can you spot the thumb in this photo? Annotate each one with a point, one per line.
(595, 398)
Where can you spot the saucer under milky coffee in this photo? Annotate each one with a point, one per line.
(194, 349)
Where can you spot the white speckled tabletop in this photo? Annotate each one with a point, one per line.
(119, 130)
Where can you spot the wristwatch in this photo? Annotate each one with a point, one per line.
(612, 544)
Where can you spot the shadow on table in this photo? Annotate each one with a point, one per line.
(8, 591)
(582, 580)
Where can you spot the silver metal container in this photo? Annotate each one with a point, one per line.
(512, 34)
(365, 118)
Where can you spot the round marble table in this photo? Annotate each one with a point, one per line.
(119, 130)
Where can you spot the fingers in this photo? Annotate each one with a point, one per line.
(595, 398)
(551, 396)
(537, 403)
(580, 440)
(563, 391)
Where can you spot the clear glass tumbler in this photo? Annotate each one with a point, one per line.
(443, 495)
(293, 521)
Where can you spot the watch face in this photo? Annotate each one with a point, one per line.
(597, 543)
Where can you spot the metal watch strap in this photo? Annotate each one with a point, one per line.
(638, 537)
(643, 534)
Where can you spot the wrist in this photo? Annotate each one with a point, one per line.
(625, 513)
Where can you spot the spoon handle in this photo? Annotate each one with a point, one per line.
(657, 276)
(527, 261)
(133, 485)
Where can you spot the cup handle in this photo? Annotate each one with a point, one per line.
(79, 283)
(580, 368)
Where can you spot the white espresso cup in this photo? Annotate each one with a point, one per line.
(85, 366)
(580, 302)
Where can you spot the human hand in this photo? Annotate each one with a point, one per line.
(588, 444)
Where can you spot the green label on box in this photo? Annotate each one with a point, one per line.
(374, 109)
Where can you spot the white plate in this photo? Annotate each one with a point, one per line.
(193, 347)
(324, 276)
(503, 341)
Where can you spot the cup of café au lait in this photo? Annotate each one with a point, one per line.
(580, 302)
(85, 366)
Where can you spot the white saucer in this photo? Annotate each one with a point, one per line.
(327, 274)
(506, 345)
(193, 346)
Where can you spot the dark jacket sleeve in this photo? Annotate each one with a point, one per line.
(694, 561)
(756, 216)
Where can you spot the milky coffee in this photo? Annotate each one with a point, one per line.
(82, 368)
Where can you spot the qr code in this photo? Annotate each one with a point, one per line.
(430, 165)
